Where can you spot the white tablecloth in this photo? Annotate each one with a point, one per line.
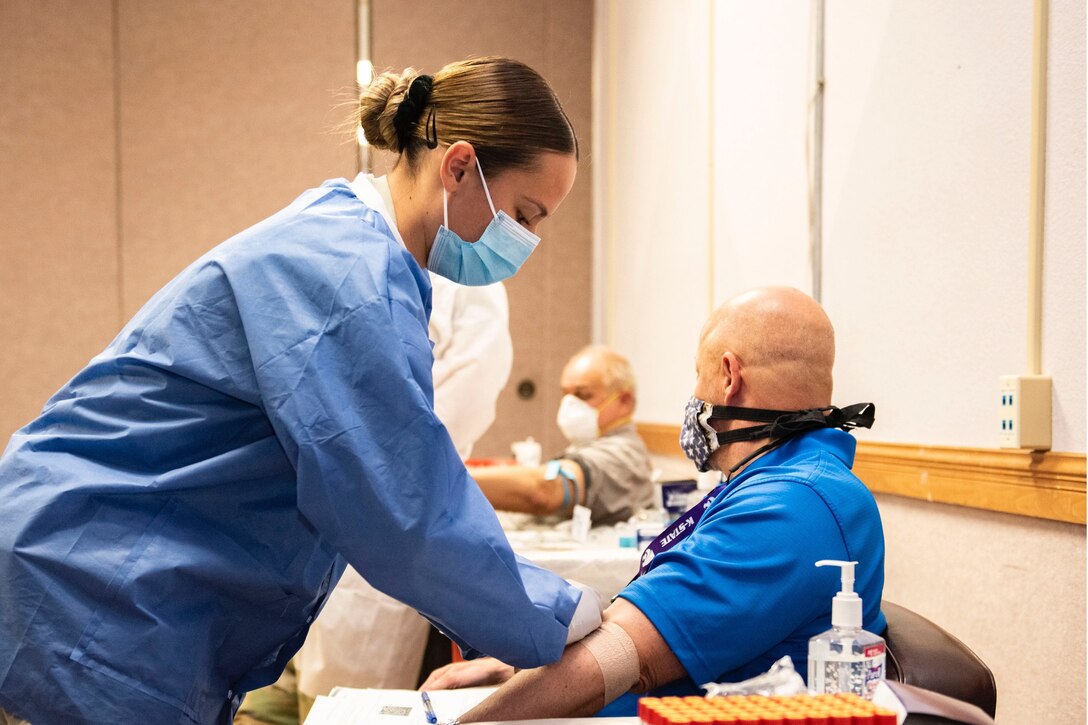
(599, 562)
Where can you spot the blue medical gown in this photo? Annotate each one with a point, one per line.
(175, 517)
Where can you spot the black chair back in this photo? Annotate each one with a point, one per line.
(923, 655)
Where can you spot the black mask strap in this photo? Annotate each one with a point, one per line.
(754, 454)
(781, 425)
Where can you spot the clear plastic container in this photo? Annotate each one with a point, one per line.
(845, 658)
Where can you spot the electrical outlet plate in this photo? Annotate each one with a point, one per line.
(1025, 412)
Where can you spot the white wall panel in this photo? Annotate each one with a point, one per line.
(761, 109)
(1064, 225)
(927, 148)
(926, 202)
(654, 133)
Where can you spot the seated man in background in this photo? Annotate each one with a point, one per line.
(606, 467)
(723, 599)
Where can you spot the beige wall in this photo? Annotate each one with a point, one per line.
(926, 189)
(550, 296)
(134, 136)
(1011, 588)
(226, 115)
(59, 269)
(138, 135)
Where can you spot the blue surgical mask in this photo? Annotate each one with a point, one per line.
(498, 254)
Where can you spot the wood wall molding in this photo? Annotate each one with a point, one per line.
(661, 439)
(1041, 485)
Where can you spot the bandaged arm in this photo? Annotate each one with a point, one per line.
(576, 685)
(530, 490)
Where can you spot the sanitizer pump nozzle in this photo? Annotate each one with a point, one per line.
(846, 606)
(845, 658)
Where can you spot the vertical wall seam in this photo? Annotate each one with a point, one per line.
(358, 56)
(362, 51)
(710, 157)
(816, 175)
(1036, 194)
(610, 206)
(598, 168)
(118, 193)
(549, 267)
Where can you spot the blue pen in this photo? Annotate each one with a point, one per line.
(431, 717)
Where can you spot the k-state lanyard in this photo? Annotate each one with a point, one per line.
(678, 530)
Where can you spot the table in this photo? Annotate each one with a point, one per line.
(599, 562)
(348, 706)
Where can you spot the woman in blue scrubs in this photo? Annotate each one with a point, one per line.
(174, 519)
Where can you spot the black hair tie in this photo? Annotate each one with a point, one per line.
(411, 109)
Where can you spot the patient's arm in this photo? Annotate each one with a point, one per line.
(526, 488)
(473, 673)
(574, 686)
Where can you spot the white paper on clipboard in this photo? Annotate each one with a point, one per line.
(350, 706)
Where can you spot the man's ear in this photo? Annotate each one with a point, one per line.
(732, 379)
(457, 162)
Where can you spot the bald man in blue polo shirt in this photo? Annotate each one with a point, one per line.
(732, 587)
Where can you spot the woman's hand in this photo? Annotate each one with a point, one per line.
(472, 673)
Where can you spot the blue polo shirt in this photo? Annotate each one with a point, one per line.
(743, 589)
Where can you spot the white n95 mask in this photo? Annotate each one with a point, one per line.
(498, 254)
(577, 419)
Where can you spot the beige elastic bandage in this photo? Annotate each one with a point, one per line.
(616, 656)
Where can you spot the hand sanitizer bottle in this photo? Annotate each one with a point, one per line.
(845, 658)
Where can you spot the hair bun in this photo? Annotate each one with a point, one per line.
(378, 106)
(504, 108)
(411, 108)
